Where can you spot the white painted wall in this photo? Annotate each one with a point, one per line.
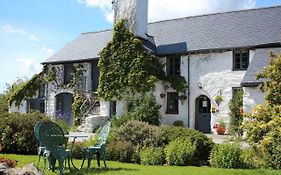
(136, 13)
(214, 72)
(21, 109)
(252, 97)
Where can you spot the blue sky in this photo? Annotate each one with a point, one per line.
(33, 30)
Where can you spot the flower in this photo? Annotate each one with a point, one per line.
(221, 124)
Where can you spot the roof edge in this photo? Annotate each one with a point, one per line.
(218, 13)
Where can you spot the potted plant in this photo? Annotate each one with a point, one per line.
(220, 127)
(218, 99)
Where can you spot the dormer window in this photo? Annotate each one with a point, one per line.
(240, 59)
(173, 65)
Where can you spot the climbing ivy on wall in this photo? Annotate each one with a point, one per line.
(29, 88)
(126, 67)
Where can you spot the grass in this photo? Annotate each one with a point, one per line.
(115, 168)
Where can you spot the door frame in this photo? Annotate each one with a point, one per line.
(206, 112)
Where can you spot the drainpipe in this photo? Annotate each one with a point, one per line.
(188, 90)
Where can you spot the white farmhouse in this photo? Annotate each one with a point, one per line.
(217, 54)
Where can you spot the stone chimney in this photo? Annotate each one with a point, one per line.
(136, 12)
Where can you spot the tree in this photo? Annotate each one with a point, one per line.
(236, 117)
(263, 127)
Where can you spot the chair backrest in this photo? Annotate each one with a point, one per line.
(36, 130)
(104, 133)
(51, 135)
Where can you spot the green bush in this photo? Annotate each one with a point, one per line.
(120, 151)
(140, 133)
(145, 109)
(63, 125)
(271, 150)
(78, 147)
(17, 133)
(252, 158)
(178, 123)
(226, 155)
(77, 150)
(202, 143)
(117, 121)
(152, 156)
(180, 152)
(132, 135)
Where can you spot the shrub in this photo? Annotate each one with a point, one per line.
(271, 150)
(78, 147)
(226, 155)
(180, 152)
(117, 121)
(132, 135)
(178, 123)
(17, 134)
(120, 151)
(202, 143)
(140, 133)
(145, 109)
(63, 125)
(152, 156)
(252, 158)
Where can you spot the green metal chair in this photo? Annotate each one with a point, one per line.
(99, 148)
(41, 147)
(52, 136)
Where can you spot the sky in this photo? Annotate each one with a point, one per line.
(33, 30)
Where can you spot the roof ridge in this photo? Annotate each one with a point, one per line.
(100, 31)
(196, 16)
(218, 13)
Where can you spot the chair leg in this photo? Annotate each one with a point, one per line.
(89, 162)
(98, 158)
(61, 167)
(103, 157)
(39, 155)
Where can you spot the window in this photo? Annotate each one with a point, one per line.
(240, 59)
(68, 70)
(113, 105)
(235, 90)
(41, 93)
(172, 103)
(36, 105)
(173, 65)
(42, 106)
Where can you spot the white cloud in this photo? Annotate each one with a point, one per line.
(47, 50)
(32, 37)
(104, 5)
(28, 66)
(169, 9)
(12, 30)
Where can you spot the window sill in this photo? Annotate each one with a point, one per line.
(172, 112)
(239, 69)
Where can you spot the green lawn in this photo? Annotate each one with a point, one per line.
(134, 169)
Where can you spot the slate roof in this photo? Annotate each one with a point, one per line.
(237, 29)
(258, 63)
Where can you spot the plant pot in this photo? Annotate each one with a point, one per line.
(220, 130)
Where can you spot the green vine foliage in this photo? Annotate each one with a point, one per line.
(29, 88)
(77, 80)
(26, 89)
(126, 67)
(177, 82)
(77, 103)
